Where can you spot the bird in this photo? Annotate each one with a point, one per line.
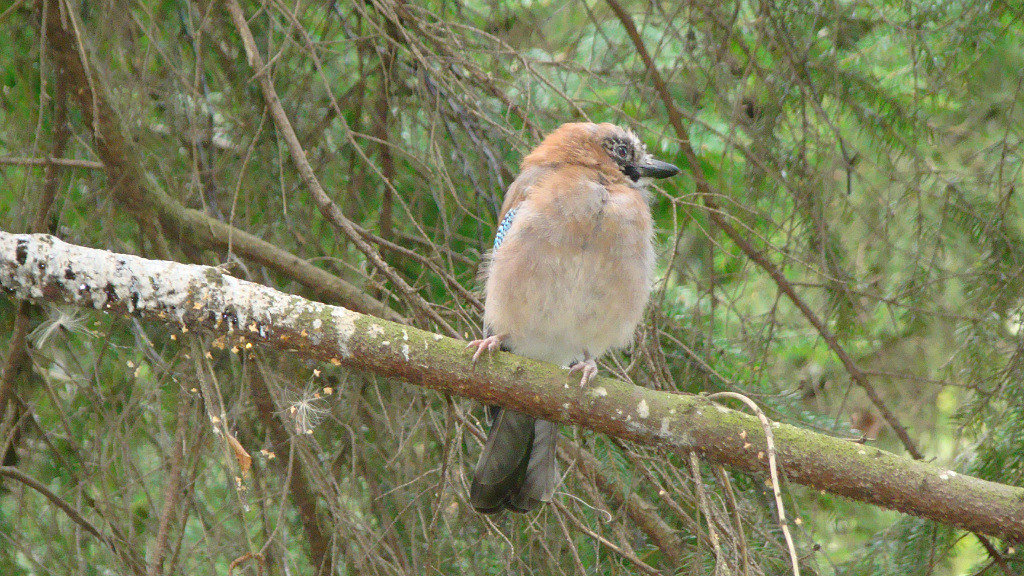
(568, 278)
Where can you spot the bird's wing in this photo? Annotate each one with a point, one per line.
(517, 193)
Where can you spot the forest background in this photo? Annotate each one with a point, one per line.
(845, 247)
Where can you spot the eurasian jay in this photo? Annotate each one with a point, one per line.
(568, 279)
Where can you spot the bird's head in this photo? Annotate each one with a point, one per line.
(614, 151)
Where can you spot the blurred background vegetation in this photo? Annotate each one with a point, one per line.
(870, 150)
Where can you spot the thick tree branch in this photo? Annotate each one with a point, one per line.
(42, 268)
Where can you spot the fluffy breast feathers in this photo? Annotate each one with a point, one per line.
(573, 273)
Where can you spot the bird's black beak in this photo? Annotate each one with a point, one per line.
(657, 169)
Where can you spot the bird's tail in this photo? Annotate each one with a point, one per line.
(517, 469)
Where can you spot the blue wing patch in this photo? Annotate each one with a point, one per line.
(503, 228)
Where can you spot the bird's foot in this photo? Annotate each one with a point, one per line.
(491, 343)
(589, 369)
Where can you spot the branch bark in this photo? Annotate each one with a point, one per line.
(42, 268)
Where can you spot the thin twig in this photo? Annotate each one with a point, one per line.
(730, 494)
(172, 490)
(645, 567)
(71, 511)
(560, 517)
(43, 162)
(773, 468)
(705, 506)
(995, 555)
(642, 512)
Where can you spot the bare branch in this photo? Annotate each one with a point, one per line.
(42, 162)
(73, 514)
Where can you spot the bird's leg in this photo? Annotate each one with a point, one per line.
(588, 366)
(490, 343)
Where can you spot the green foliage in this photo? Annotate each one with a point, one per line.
(870, 151)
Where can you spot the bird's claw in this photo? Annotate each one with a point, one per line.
(589, 369)
(491, 343)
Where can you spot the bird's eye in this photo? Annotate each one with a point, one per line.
(621, 151)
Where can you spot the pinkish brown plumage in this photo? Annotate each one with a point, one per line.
(568, 279)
